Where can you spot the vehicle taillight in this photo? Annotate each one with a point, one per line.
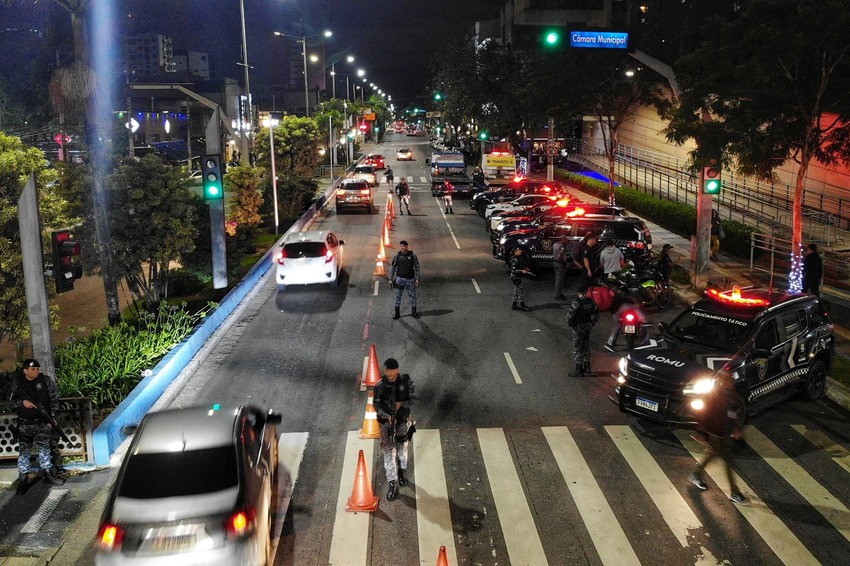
(630, 317)
(241, 523)
(329, 256)
(340, 192)
(109, 537)
(576, 212)
(281, 255)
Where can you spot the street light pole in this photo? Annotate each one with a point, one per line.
(243, 158)
(306, 92)
(272, 122)
(333, 79)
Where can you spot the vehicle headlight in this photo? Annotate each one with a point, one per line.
(503, 240)
(623, 365)
(699, 386)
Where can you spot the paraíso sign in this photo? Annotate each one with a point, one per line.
(599, 39)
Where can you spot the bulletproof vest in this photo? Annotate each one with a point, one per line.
(35, 391)
(388, 393)
(404, 265)
(582, 310)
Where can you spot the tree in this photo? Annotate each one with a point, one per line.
(245, 183)
(296, 147)
(775, 83)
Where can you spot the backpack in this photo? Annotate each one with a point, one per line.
(602, 296)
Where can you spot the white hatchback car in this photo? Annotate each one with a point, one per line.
(310, 257)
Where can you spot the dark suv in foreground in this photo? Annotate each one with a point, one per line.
(774, 345)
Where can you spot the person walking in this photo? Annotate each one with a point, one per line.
(589, 260)
(404, 274)
(812, 270)
(519, 268)
(394, 396)
(559, 258)
(448, 191)
(388, 175)
(581, 318)
(717, 233)
(612, 260)
(35, 398)
(720, 425)
(402, 190)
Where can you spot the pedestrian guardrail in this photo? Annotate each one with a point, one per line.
(74, 416)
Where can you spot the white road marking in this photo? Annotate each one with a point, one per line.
(363, 374)
(532, 348)
(839, 454)
(775, 533)
(819, 497)
(513, 368)
(290, 448)
(433, 513)
(521, 534)
(475, 284)
(42, 514)
(350, 539)
(377, 286)
(608, 537)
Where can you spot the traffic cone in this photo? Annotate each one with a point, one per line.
(382, 254)
(373, 371)
(371, 428)
(379, 267)
(442, 559)
(386, 237)
(388, 220)
(362, 497)
(391, 205)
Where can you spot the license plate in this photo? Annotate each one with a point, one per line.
(644, 404)
(173, 544)
(629, 329)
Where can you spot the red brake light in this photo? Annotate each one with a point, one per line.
(576, 212)
(241, 523)
(734, 296)
(329, 256)
(563, 202)
(517, 179)
(340, 192)
(630, 317)
(109, 537)
(280, 256)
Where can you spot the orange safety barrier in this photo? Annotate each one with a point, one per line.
(382, 254)
(362, 497)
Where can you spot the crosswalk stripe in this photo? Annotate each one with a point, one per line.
(608, 537)
(521, 535)
(433, 515)
(775, 533)
(676, 512)
(350, 539)
(827, 505)
(839, 454)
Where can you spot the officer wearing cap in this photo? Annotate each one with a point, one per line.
(404, 274)
(394, 395)
(33, 394)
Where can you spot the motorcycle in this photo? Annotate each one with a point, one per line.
(634, 327)
(646, 286)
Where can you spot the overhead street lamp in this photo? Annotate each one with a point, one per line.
(349, 59)
(303, 39)
(246, 128)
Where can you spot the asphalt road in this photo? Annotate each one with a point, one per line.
(513, 462)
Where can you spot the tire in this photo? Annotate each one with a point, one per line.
(815, 384)
(370, 208)
(664, 298)
(338, 210)
(630, 341)
(481, 207)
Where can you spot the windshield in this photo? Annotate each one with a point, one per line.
(714, 331)
(297, 250)
(179, 474)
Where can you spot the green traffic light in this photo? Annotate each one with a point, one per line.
(552, 38)
(482, 135)
(712, 187)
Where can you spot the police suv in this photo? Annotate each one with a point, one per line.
(774, 345)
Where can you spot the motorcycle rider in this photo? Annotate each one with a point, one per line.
(622, 304)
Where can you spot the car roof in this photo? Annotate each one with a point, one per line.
(307, 236)
(193, 428)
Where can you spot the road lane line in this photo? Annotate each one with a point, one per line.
(350, 539)
(839, 454)
(42, 514)
(290, 448)
(608, 537)
(376, 287)
(513, 368)
(676, 512)
(797, 477)
(521, 534)
(363, 373)
(449, 226)
(475, 284)
(433, 514)
(772, 530)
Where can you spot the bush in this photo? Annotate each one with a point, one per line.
(183, 282)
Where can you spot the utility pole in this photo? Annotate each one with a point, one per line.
(218, 240)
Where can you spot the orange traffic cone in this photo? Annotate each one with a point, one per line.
(382, 254)
(379, 267)
(370, 428)
(386, 237)
(442, 559)
(388, 220)
(390, 205)
(373, 371)
(362, 497)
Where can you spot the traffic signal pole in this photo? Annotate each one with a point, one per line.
(38, 310)
(219, 249)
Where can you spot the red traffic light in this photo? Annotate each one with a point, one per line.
(64, 250)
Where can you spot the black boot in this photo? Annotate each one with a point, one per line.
(50, 476)
(514, 306)
(402, 479)
(415, 313)
(396, 314)
(23, 484)
(525, 308)
(586, 368)
(400, 212)
(451, 211)
(577, 372)
(392, 492)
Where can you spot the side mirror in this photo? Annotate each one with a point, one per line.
(342, 242)
(274, 417)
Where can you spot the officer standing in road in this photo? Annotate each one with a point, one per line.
(404, 274)
(520, 267)
(394, 395)
(720, 425)
(559, 256)
(589, 260)
(581, 317)
(388, 175)
(402, 190)
(448, 191)
(34, 397)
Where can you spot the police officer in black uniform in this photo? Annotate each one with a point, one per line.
(394, 395)
(404, 274)
(581, 317)
(33, 392)
(520, 267)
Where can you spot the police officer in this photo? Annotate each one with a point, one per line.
(520, 267)
(448, 191)
(402, 190)
(33, 394)
(478, 179)
(589, 255)
(394, 395)
(404, 274)
(581, 317)
(388, 175)
(559, 257)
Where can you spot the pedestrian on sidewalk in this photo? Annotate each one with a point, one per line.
(717, 233)
(404, 274)
(581, 318)
(35, 398)
(519, 269)
(448, 191)
(812, 270)
(394, 396)
(719, 423)
(559, 256)
(665, 263)
(402, 190)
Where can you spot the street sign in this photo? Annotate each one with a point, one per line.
(61, 138)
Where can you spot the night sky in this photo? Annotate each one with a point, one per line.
(393, 40)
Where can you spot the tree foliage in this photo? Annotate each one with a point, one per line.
(246, 186)
(296, 147)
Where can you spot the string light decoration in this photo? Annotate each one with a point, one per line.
(795, 277)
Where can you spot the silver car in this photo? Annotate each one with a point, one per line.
(198, 486)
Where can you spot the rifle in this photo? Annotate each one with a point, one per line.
(51, 421)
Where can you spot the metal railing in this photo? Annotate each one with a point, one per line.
(74, 415)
